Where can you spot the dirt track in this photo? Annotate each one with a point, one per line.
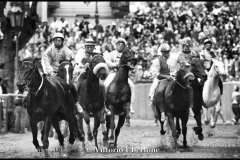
(141, 140)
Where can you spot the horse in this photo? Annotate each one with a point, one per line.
(197, 69)
(118, 96)
(177, 103)
(200, 75)
(65, 72)
(212, 89)
(91, 96)
(49, 100)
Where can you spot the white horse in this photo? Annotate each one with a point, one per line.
(211, 91)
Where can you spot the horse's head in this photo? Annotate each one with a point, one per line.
(99, 67)
(184, 75)
(197, 68)
(28, 72)
(217, 69)
(128, 59)
(65, 71)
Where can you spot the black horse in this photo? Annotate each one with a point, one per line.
(118, 95)
(49, 101)
(197, 69)
(177, 103)
(197, 86)
(91, 95)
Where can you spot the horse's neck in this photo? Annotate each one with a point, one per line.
(91, 81)
(36, 82)
(122, 75)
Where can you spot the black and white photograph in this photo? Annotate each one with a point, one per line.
(120, 79)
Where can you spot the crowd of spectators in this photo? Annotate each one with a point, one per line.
(147, 28)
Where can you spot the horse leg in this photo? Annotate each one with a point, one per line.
(95, 129)
(197, 116)
(184, 131)
(128, 118)
(112, 127)
(89, 132)
(60, 136)
(104, 129)
(173, 129)
(108, 122)
(121, 121)
(178, 128)
(214, 116)
(46, 133)
(34, 129)
(73, 128)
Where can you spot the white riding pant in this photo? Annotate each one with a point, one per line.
(153, 88)
(110, 78)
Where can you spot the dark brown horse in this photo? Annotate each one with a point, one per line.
(118, 96)
(197, 69)
(197, 86)
(49, 101)
(91, 95)
(177, 103)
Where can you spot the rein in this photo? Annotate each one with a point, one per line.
(40, 86)
(180, 84)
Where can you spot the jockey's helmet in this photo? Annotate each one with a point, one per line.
(89, 42)
(121, 40)
(58, 35)
(207, 41)
(164, 47)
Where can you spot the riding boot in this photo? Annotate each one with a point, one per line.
(163, 117)
(107, 111)
(131, 108)
(79, 107)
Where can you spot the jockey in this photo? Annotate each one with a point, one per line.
(185, 56)
(51, 58)
(160, 72)
(112, 59)
(207, 55)
(83, 62)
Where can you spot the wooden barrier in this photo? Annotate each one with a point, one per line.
(143, 111)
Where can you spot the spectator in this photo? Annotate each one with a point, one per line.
(235, 104)
(20, 111)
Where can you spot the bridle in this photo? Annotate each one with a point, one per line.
(29, 81)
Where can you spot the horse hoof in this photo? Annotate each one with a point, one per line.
(162, 132)
(206, 122)
(127, 123)
(39, 149)
(111, 145)
(105, 142)
(200, 137)
(90, 137)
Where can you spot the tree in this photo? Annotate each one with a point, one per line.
(7, 45)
